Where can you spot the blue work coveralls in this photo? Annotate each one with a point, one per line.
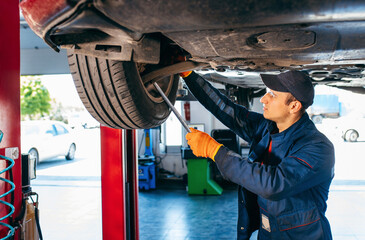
(282, 193)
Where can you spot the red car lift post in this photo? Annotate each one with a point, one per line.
(119, 184)
(10, 99)
(119, 157)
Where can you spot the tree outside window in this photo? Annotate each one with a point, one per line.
(35, 100)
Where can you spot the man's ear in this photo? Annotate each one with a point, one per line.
(295, 106)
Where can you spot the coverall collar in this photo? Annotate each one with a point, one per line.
(290, 130)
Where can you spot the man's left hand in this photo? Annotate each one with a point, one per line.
(202, 144)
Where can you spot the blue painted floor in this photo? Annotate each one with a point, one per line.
(172, 214)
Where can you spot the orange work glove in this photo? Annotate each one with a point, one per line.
(185, 74)
(183, 59)
(202, 144)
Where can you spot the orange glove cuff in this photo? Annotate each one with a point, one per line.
(185, 74)
(215, 152)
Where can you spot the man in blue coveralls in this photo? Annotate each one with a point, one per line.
(284, 181)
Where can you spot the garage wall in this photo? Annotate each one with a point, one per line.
(171, 160)
(200, 115)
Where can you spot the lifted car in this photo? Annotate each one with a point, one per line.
(117, 49)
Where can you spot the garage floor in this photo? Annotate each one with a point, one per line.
(172, 214)
(70, 203)
(70, 209)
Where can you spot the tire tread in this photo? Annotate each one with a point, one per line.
(108, 92)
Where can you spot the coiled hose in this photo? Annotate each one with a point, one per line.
(12, 209)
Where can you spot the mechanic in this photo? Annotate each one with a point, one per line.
(284, 181)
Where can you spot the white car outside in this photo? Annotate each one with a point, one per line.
(350, 127)
(44, 140)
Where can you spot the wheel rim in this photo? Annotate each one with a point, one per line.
(353, 136)
(33, 154)
(71, 151)
(317, 119)
(165, 84)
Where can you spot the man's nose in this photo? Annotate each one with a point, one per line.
(263, 99)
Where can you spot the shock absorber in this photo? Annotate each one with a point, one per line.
(2, 196)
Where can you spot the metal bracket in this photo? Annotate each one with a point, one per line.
(171, 70)
(145, 51)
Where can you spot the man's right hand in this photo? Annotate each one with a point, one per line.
(202, 144)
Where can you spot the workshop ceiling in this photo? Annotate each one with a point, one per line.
(36, 57)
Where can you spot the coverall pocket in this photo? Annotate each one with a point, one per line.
(302, 224)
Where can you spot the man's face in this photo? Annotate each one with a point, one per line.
(275, 105)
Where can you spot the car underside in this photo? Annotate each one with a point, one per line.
(117, 49)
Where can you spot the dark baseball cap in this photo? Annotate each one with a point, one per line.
(295, 82)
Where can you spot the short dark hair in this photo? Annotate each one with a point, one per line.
(290, 99)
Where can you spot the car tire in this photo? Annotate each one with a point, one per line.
(317, 119)
(71, 152)
(33, 154)
(351, 135)
(114, 94)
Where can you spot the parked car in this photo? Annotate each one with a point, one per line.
(47, 139)
(349, 127)
(352, 127)
(117, 49)
(82, 120)
(324, 106)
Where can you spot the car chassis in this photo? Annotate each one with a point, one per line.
(324, 39)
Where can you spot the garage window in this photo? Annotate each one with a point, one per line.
(173, 128)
